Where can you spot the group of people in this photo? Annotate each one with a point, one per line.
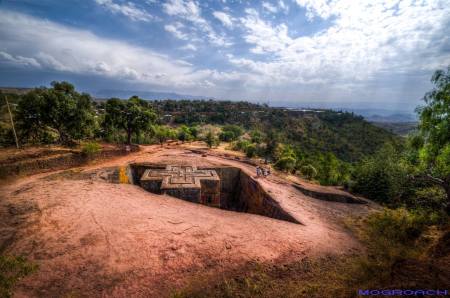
(260, 171)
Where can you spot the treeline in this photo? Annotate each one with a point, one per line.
(346, 135)
(61, 115)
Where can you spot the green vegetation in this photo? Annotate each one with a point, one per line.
(433, 144)
(211, 139)
(399, 175)
(90, 148)
(59, 112)
(12, 269)
(131, 116)
(230, 133)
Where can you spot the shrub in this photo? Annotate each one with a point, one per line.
(211, 139)
(240, 145)
(230, 133)
(226, 136)
(286, 163)
(391, 237)
(394, 227)
(91, 148)
(308, 171)
(382, 177)
(250, 151)
(256, 136)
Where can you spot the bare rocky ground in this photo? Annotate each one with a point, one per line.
(92, 238)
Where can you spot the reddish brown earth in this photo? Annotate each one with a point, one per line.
(92, 238)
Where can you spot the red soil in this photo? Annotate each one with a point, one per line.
(92, 238)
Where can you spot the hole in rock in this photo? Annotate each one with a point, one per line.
(223, 187)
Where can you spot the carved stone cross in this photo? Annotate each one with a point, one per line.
(184, 182)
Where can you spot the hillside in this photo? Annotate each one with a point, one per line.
(347, 135)
(399, 128)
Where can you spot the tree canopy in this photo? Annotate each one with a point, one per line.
(131, 115)
(433, 143)
(59, 108)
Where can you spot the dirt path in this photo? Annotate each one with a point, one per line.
(93, 238)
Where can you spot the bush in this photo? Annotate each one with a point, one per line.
(12, 269)
(382, 177)
(230, 133)
(432, 198)
(256, 136)
(308, 171)
(286, 163)
(394, 227)
(391, 237)
(211, 139)
(91, 148)
(240, 145)
(226, 136)
(250, 151)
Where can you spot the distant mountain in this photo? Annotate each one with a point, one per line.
(125, 94)
(391, 118)
(399, 128)
(15, 90)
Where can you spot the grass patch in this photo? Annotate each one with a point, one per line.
(12, 269)
(91, 148)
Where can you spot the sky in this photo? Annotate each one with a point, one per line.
(318, 53)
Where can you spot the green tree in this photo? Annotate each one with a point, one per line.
(308, 171)
(328, 169)
(194, 132)
(256, 136)
(184, 134)
(211, 139)
(382, 177)
(434, 149)
(132, 116)
(250, 151)
(60, 108)
(272, 141)
(230, 133)
(162, 133)
(286, 159)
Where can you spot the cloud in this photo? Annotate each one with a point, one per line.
(189, 47)
(175, 30)
(19, 60)
(284, 7)
(365, 40)
(321, 8)
(224, 18)
(127, 9)
(190, 11)
(263, 35)
(37, 43)
(269, 7)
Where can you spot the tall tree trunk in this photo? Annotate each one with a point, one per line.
(129, 136)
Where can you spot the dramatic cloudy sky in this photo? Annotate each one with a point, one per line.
(359, 53)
